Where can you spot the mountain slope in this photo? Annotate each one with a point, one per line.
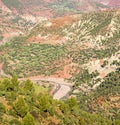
(80, 39)
(13, 25)
(55, 8)
(26, 103)
(83, 49)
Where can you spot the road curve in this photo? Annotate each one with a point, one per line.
(62, 87)
(62, 92)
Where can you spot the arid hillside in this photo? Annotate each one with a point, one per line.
(55, 8)
(17, 17)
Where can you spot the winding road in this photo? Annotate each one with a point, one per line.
(62, 87)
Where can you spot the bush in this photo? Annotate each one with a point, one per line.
(20, 107)
(28, 120)
(2, 108)
(15, 122)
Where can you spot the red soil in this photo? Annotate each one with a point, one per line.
(100, 100)
(101, 61)
(6, 35)
(103, 74)
(1, 65)
(54, 39)
(61, 21)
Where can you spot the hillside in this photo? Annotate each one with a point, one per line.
(51, 47)
(21, 104)
(71, 55)
(13, 25)
(84, 50)
(55, 8)
(17, 17)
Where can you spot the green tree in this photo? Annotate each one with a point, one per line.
(28, 86)
(14, 80)
(20, 107)
(72, 102)
(28, 120)
(8, 86)
(44, 103)
(64, 107)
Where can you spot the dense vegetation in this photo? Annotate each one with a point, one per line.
(105, 99)
(30, 58)
(21, 105)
